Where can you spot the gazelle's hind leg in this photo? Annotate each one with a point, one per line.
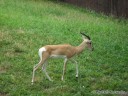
(43, 57)
(44, 70)
(34, 69)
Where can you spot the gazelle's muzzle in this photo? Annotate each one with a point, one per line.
(90, 47)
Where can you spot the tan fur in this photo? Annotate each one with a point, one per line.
(64, 49)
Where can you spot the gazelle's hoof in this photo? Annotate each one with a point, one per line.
(76, 76)
(62, 79)
(32, 83)
(51, 80)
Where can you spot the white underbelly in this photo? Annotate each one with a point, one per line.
(58, 56)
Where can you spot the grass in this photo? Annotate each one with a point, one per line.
(26, 25)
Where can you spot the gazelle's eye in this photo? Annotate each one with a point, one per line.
(88, 42)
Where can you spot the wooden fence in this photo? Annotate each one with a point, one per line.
(117, 8)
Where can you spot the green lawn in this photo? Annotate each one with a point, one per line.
(27, 25)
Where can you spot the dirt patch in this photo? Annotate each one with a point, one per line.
(4, 67)
(3, 94)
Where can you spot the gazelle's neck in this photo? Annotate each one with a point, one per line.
(81, 47)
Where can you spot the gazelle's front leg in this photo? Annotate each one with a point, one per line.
(64, 68)
(74, 61)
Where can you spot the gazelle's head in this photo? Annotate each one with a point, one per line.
(88, 41)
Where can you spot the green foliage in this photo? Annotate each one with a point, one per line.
(26, 25)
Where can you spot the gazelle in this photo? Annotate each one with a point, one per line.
(64, 51)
